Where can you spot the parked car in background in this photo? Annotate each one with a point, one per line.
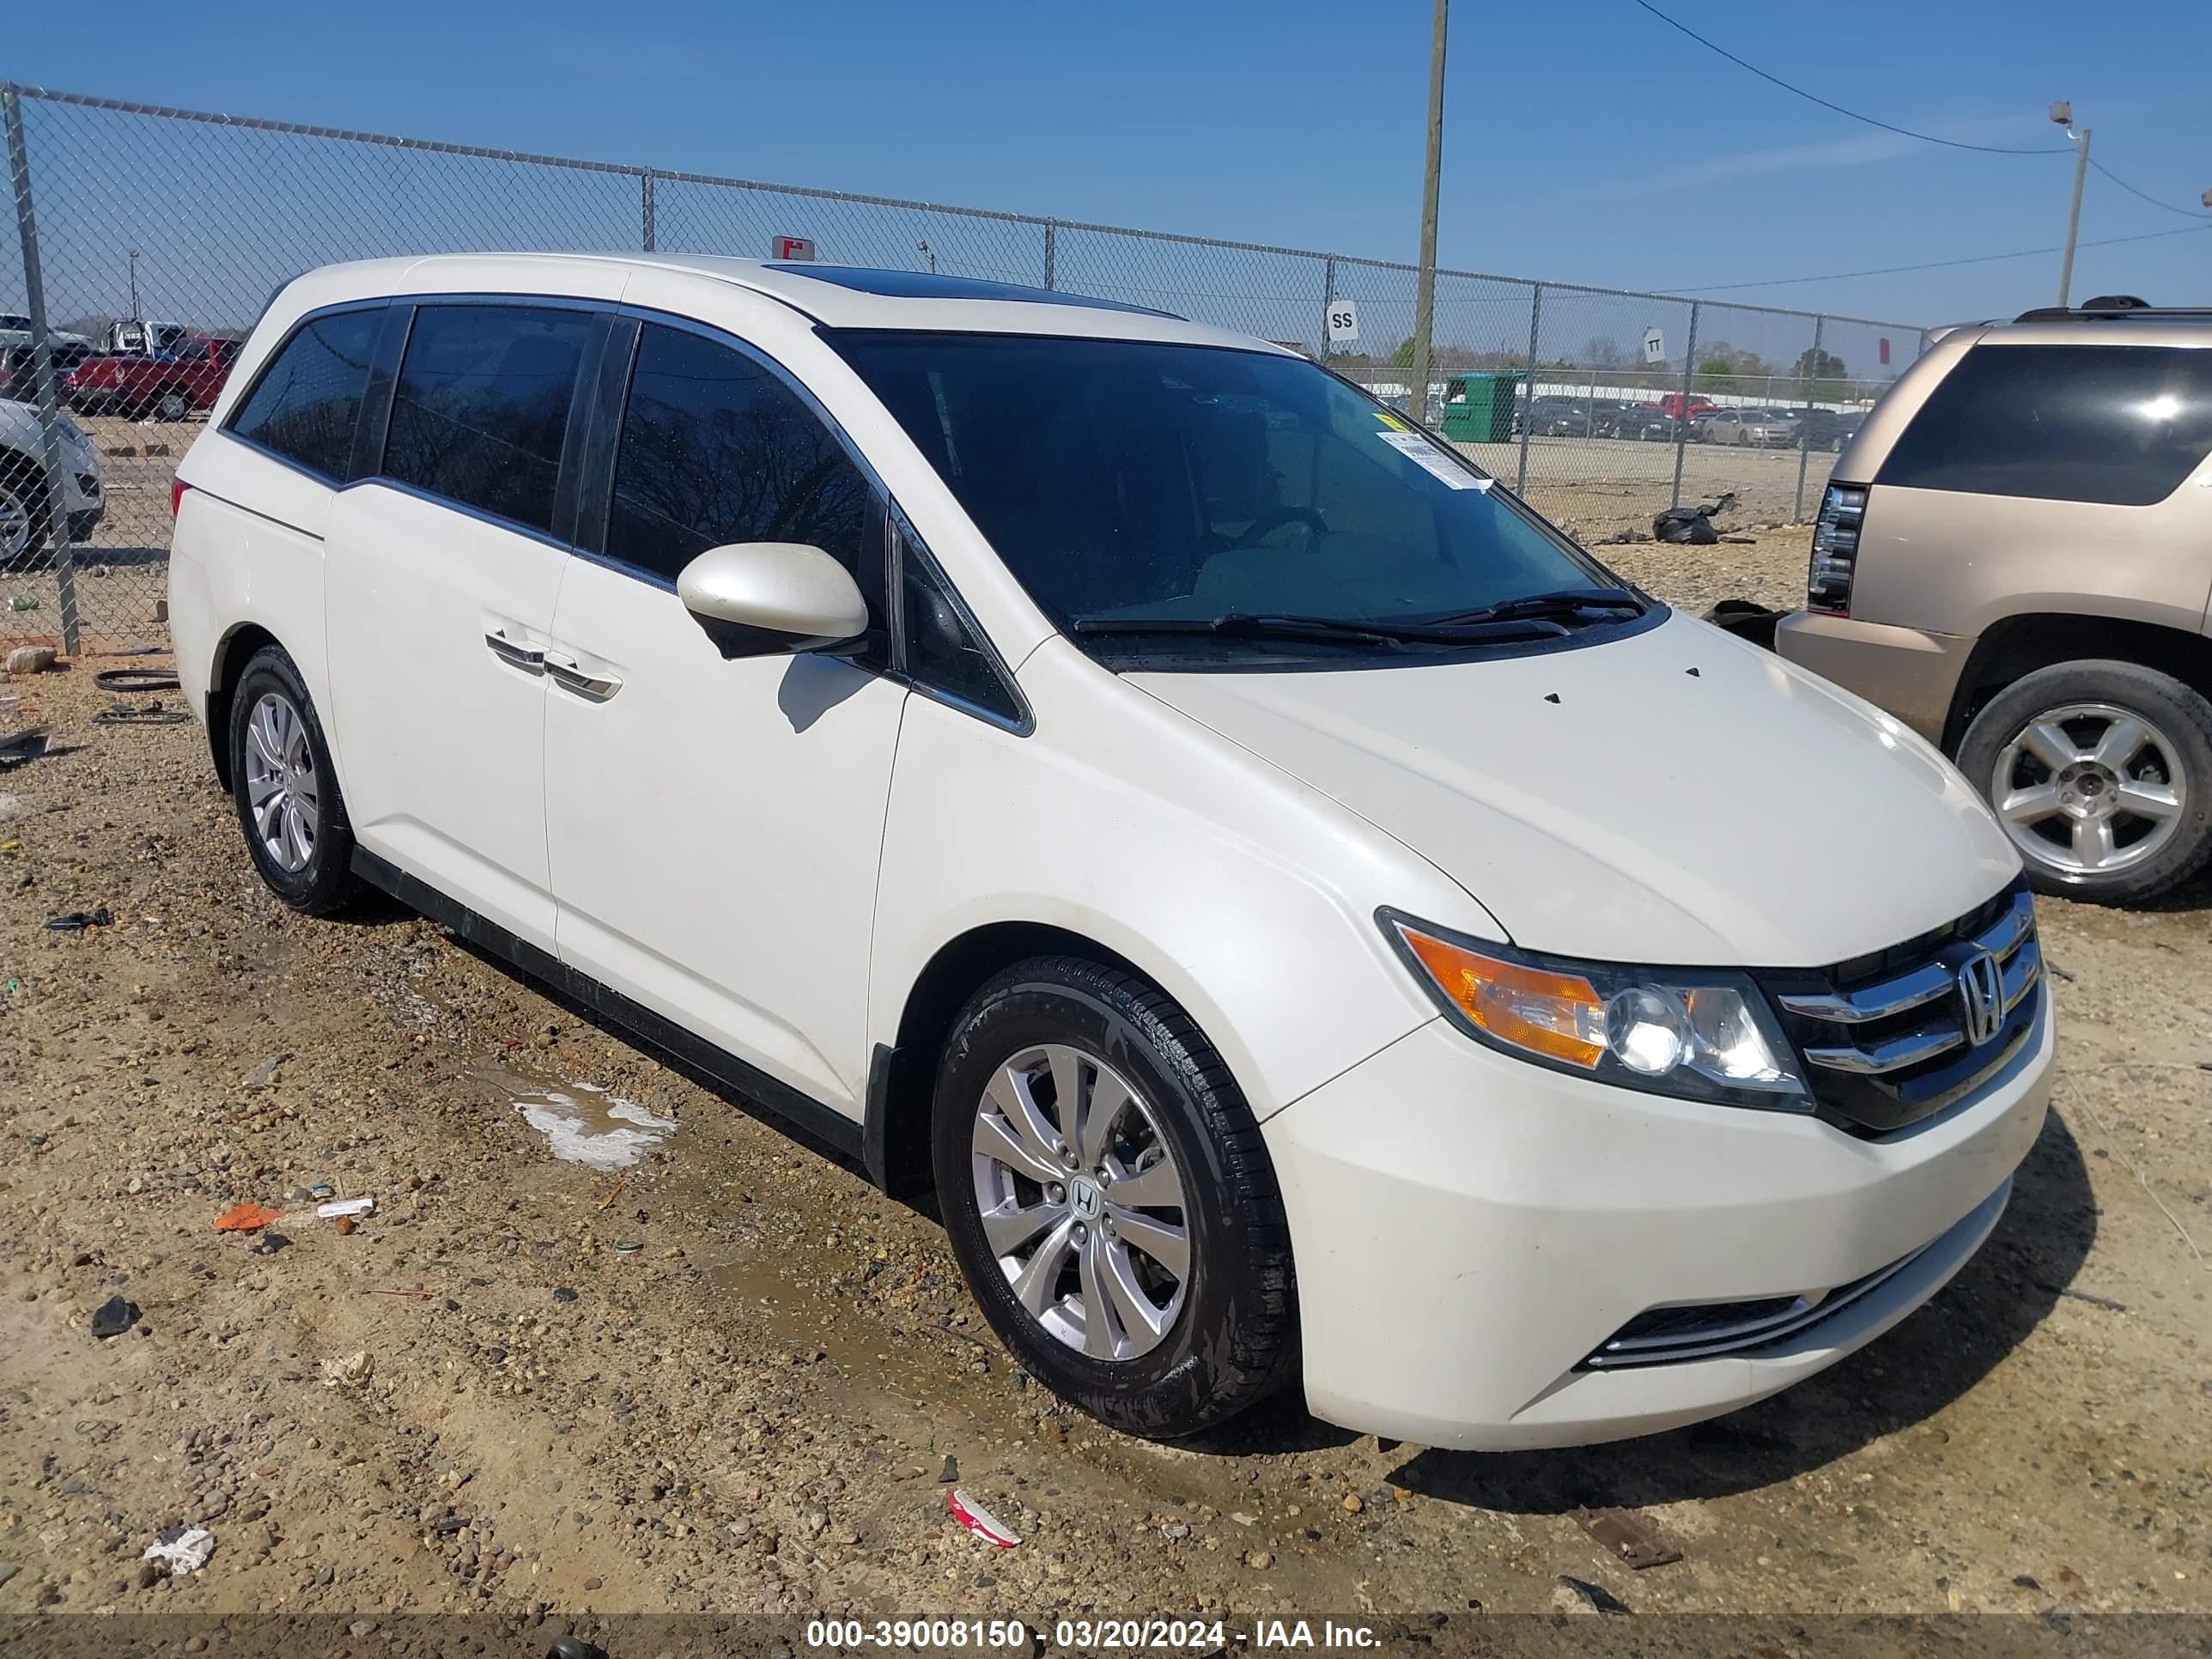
(1560, 417)
(1826, 428)
(1760, 428)
(142, 338)
(2012, 556)
(26, 525)
(1688, 407)
(166, 386)
(16, 329)
(1645, 422)
(1272, 955)
(17, 379)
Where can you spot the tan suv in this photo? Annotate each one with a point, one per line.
(2014, 557)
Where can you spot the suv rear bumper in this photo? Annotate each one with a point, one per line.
(1910, 673)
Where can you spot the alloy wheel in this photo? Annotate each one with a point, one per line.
(15, 529)
(1081, 1202)
(2089, 789)
(282, 787)
(172, 407)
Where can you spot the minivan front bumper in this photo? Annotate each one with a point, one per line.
(1470, 1231)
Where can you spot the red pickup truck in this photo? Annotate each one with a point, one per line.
(1673, 403)
(168, 386)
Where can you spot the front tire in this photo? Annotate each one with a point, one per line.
(25, 529)
(2101, 774)
(1106, 1192)
(286, 790)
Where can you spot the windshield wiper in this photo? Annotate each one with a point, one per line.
(1244, 624)
(1566, 604)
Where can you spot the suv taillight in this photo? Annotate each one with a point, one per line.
(1835, 549)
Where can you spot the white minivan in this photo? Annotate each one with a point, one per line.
(1306, 918)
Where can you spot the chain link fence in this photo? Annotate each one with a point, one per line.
(147, 240)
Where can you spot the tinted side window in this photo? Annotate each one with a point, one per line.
(305, 405)
(2118, 424)
(716, 449)
(944, 648)
(481, 406)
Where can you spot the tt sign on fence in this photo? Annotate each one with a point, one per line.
(154, 237)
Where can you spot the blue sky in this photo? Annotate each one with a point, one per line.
(1585, 141)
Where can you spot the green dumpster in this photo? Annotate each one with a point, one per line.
(1478, 408)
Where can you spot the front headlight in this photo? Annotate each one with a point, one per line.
(1702, 1034)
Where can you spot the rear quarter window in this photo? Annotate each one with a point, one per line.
(2120, 425)
(304, 406)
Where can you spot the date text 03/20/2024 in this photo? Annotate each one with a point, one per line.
(1089, 1635)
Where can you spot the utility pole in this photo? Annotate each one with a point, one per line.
(2061, 114)
(134, 284)
(1425, 304)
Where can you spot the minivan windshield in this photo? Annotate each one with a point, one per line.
(1163, 501)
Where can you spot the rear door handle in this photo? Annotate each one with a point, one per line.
(568, 672)
(528, 658)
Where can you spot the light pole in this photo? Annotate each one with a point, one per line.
(1425, 301)
(2061, 114)
(134, 284)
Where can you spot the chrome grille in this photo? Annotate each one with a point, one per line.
(1888, 1040)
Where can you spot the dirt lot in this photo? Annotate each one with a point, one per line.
(728, 1376)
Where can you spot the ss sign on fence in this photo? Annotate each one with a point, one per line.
(1343, 322)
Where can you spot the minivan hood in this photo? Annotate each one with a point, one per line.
(1677, 796)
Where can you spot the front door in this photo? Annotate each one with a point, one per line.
(440, 577)
(714, 826)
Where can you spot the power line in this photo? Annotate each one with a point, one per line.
(1907, 132)
(1776, 80)
(2185, 213)
(1936, 264)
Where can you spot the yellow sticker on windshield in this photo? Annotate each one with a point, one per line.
(1391, 421)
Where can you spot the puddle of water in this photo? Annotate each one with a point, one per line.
(583, 1124)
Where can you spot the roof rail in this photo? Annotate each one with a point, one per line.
(2115, 308)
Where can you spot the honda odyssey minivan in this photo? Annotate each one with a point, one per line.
(1307, 920)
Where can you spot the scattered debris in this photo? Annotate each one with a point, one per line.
(365, 1204)
(181, 1549)
(75, 922)
(322, 1189)
(352, 1372)
(1691, 527)
(417, 1296)
(951, 1472)
(1577, 1594)
(562, 1294)
(113, 1317)
(23, 747)
(265, 1076)
(1746, 621)
(566, 1646)
(31, 658)
(22, 601)
(613, 1195)
(1627, 1536)
(152, 714)
(246, 1218)
(344, 1225)
(2093, 1300)
(978, 1519)
(136, 679)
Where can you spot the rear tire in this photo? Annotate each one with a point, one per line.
(1141, 1268)
(2101, 773)
(286, 790)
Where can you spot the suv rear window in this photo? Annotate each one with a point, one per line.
(304, 405)
(2122, 425)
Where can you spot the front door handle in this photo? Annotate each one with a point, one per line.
(568, 672)
(528, 658)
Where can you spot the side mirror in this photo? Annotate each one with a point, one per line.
(771, 599)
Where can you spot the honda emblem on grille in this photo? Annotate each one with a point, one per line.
(1981, 997)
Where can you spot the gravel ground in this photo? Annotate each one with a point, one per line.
(729, 1377)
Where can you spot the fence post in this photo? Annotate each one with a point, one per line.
(645, 209)
(1804, 444)
(42, 371)
(1051, 251)
(1528, 386)
(1327, 301)
(1682, 415)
